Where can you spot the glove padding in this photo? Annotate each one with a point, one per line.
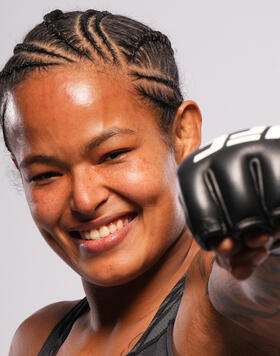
(232, 186)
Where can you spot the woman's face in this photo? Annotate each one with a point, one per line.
(94, 164)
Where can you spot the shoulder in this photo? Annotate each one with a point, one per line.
(201, 263)
(33, 331)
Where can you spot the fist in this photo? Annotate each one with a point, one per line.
(231, 196)
(241, 258)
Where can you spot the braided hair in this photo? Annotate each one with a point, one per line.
(67, 38)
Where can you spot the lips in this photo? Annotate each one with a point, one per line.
(91, 246)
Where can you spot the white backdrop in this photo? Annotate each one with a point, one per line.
(228, 53)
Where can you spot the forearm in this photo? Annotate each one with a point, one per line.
(253, 303)
(263, 286)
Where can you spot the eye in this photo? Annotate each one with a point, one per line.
(44, 176)
(114, 154)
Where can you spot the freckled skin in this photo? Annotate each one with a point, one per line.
(56, 124)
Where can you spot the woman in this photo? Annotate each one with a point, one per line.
(94, 120)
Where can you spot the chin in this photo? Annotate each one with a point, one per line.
(115, 274)
(113, 279)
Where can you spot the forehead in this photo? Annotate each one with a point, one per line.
(79, 85)
(62, 99)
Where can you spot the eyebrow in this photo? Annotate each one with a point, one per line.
(98, 140)
(94, 143)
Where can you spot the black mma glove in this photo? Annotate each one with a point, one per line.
(232, 186)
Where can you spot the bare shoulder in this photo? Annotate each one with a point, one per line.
(33, 331)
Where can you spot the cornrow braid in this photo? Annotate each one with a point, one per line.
(172, 104)
(84, 22)
(161, 80)
(27, 65)
(165, 101)
(49, 23)
(152, 36)
(26, 47)
(150, 52)
(99, 17)
(68, 38)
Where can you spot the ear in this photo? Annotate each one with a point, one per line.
(186, 130)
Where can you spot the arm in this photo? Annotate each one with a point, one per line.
(253, 303)
(231, 188)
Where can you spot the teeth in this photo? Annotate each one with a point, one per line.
(119, 224)
(103, 231)
(94, 234)
(112, 228)
(87, 235)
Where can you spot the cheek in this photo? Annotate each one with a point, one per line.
(45, 207)
(145, 181)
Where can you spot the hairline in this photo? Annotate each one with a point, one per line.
(132, 89)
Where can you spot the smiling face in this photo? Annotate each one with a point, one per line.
(99, 179)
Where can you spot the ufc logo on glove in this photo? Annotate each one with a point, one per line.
(232, 186)
(253, 134)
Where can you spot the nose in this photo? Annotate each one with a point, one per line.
(88, 193)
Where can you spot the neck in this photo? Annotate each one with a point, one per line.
(132, 302)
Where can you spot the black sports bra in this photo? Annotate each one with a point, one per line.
(156, 340)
